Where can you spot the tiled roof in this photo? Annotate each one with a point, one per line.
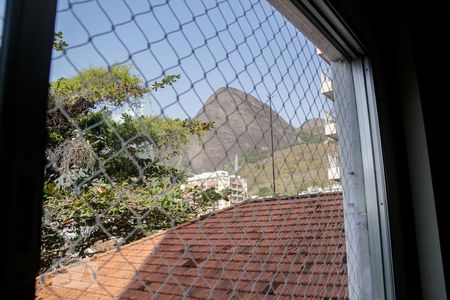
(267, 249)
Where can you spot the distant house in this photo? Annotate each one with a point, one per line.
(262, 249)
(221, 180)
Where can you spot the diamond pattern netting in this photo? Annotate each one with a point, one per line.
(193, 152)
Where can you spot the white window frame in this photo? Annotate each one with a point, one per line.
(324, 28)
(374, 181)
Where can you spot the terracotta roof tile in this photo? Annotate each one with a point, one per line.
(271, 249)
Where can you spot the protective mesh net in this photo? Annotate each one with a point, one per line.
(193, 153)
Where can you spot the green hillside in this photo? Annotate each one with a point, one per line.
(312, 131)
(296, 168)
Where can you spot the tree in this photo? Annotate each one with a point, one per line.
(265, 191)
(111, 180)
(58, 41)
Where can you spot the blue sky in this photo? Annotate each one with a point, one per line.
(245, 44)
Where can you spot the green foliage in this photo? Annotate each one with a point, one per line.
(265, 191)
(58, 41)
(94, 86)
(226, 193)
(122, 210)
(258, 156)
(310, 137)
(150, 141)
(205, 198)
(110, 180)
(168, 80)
(303, 164)
(79, 95)
(312, 131)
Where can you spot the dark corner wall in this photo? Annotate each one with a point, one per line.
(405, 45)
(24, 72)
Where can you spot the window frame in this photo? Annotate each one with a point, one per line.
(24, 72)
(24, 58)
(374, 181)
(322, 24)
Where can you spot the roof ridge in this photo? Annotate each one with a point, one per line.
(199, 218)
(210, 214)
(162, 232)
(191, 253)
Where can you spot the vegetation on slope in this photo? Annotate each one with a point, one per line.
(312, 131)
(296, 168)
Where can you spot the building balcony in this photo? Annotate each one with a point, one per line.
(326, 87)
(323, 56)
(334, 173)
(330, 130)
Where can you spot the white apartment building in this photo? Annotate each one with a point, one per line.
(221, 180)
(326, 88)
